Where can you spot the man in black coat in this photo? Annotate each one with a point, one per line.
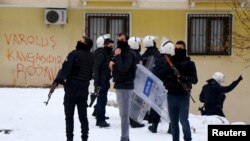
(213, 94)
(135, 46)
(102, 75)
(161, 69)
(151, 53)
(123, 69)
(148, 60)
(179, 85)
(77, 71)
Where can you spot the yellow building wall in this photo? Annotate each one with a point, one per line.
(172, 24)
(31, 52)
(159, 23)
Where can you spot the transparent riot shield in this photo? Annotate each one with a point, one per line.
(150, 92)
(138, 108)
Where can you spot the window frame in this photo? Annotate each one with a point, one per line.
(208, 49)
(108, 17)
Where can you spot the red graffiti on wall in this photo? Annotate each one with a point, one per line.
(22, 39)
(30, 64)
(9, 55)
(25, 71)
(34, 58)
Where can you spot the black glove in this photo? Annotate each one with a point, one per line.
(240, 78)
(97, 89)
(59, 81)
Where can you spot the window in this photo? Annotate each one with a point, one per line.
(106, 23)
(209, 34)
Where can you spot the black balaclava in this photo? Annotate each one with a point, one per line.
(82, 46)
(108, 50)
(122, 45)
(180, 53)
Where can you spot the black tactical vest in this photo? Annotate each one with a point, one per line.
(83, 65)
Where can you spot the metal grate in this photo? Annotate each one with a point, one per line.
(209, 34)
(106, 23)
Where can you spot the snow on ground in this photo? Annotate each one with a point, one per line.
(24, 117)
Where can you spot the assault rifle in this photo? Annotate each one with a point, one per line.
(52, 89)
(177, 73)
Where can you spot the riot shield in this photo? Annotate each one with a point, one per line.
(138, 108)
(150, 92)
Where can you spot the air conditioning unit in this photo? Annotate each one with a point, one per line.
(56, 16)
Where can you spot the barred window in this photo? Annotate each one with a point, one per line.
(209, 34)
(97, 24)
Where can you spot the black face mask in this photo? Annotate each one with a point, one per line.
(108, 50)
(180, 53)
(122, 45)
(81, 46)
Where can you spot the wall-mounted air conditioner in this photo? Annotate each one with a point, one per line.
(55, 16)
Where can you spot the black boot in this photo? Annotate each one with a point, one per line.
(153, 128)
(135, 124)
(102, 124)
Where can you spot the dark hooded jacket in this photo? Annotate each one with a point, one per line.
(124, 69)
(186, 68)
(188, 75)
(77, 66)
(213, 96)
(102, 73)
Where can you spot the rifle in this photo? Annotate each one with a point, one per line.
(177, 73)
(52, 89)
(94, 95)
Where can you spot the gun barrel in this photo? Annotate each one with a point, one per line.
(47, 102)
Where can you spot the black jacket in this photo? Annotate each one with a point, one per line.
(124, 70)
(186, 68)
(102, 72)
(149, 57)
(213, 96)
(77, 66)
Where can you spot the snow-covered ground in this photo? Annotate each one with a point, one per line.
(23, 112)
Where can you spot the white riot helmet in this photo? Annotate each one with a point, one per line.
(100, 40)
(167, 47)
(149, 41)
(218, 77)
(134, 43)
